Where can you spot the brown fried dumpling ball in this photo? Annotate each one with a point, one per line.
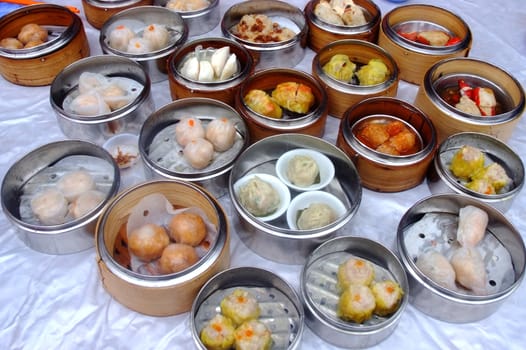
(187, 228)
(218, 333)
(177, 257)
(11, 43)
(148, 242)
(86, 202)
(32, 32)
(188, 129)
(356, 304)
(355, 271)
(388, 295)
(74, 183)
(199, 153)
(33, 43)
(221, 132)
(50, 207)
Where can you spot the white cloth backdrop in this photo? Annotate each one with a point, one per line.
(58, 302)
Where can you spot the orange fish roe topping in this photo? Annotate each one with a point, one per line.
(151, 27)
(191, 122)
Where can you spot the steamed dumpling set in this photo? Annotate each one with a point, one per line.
(30, 35)
(340, 12)
(187, 5)
(151, 38)
(210, 65)
(362, 296)
(237, 326)
(259, 28)
(340, 67)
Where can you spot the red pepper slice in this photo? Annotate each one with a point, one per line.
(453, 41)
(465, 88)
(408, 35)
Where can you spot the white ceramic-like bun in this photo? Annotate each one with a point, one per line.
(325, 166)
(304, 200)
(276, 183)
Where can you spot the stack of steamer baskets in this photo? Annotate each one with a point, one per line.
(245, 128)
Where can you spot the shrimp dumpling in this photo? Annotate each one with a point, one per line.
(89, 81)
(89, 104)
(199, 153)
(115, 96)
(139, 46)
(74, 183)
(157, 35)
(120, 36)
(437, 268)
(86, 202)
(188, 129)
(50, 206)
(221, 132)
(470, 269)
(472, 223)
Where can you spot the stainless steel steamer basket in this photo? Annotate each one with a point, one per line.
(199, 21)
(281, 307)
(98, 129)
(442, 303)
(275, 241)
(72, 236)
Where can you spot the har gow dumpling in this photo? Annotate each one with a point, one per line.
(50, 207)
(221, 133)
(437, 268)
(472, 223)
(89, 81)
(139, 46)
(157, 35)
(74, 183)
(199, 153)
(115, 96)
(89, 104)
(120, 36)
(188, 129)
(86, 202)
(470, 269)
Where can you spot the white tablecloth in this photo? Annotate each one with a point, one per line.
(58, 302)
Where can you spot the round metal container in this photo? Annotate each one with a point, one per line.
(320, 292)
(98, 129)
(156, 62)
(37, 66)
(158, 146)
(415, 59)
(281, 308)
(225, 90)
(343, 95)
(448, 120)
(286, 53)
(98, 11)
(161, 295)
(260, 126)
(199, 21)
(274, 240)
(504, 258)
(322, 33)
(441, 180)
(41, 168)
(383, 172)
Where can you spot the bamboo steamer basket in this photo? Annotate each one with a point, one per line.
(415, 59)
(343, 95)
(38, 66)
(162, 295)
(98, 11)
(381, 172)
(260, 126)
(225, 90)
(448, 120)
(322, 33)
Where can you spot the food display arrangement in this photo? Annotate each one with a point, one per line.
(227, 174)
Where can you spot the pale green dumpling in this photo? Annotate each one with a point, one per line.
(218, 334)
(374, 72)
(340, 67)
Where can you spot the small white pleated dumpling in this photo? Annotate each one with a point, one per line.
(188, 129)
(219, 58)
(199, 153)
(89, 104)
(437, 268)
(221, 132)
(120, 37)
(157, 35)
(230, 68)
(50, 206)
(139, 46)
(472, 223)
(470, 269)
(74, 183)
(190, 68)
(86, 202)
(206, 71)
(115, 96)
(89, 81)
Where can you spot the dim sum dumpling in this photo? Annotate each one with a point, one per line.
(115, 96)
(230, 68)
(190, 68)
(260, 102)
(119, 37)
(199, 153)
(147, 242)
(50, 206)
(325, 12)
(219, 58)
(206, 71)
(355, 271)
(218, 333)
(188, 129)
(157, 35)
(353, 16)
(176, 257)
(74, 183)
(472, 223)
(466, 161)
(259, 197)
(437, 268)
(356, 303)
(303, 171)
(138, 45)
(240, 306)
(495, 174)
(295, 97)
(89, 81)
(221, 132)
(11, 43)
(340, 67)
(253, 334)
(187, 5)
(32, 32)
(316, 215)
(388, 295)
(86, 202)
(469, 269)
(89, 104)
(374, 72)
(188, 228)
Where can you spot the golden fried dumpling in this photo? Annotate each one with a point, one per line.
(374, 72)
(177, 257)
(188, 228)
(148, 241)
(388, 295)
(295, 97)
(32, 32)
(260, 102)
(340, 67)
(11, 43)
(356, 304)
(467, 161)
(218, 333)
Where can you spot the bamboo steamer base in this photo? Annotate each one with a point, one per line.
(178, 91)
(96, 15)
(156, 300)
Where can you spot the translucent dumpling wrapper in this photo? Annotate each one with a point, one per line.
(86, 202)
(188, 129)
(373, 73)
(119, 38)
(466, 162)
(88, 104)
(199, 153)
(295, 97)
(139, 46)
(50, 206)
(472, 224)
(261, 102)
(89, 81)
(470, 270)
(437, 268)
(221, 132)
(157, 36)
(340, 67)
(115, 96)
(75, 183)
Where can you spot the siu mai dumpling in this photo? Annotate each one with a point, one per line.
(388, 295)
(260, 102)
(295, 97)
(467, 161)
(340, 67)
(240, 306)
(494, 174)
(218, 333)
(356, 304)
(253, 334)
(355, 271)
(470, 269)
(373, 73)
